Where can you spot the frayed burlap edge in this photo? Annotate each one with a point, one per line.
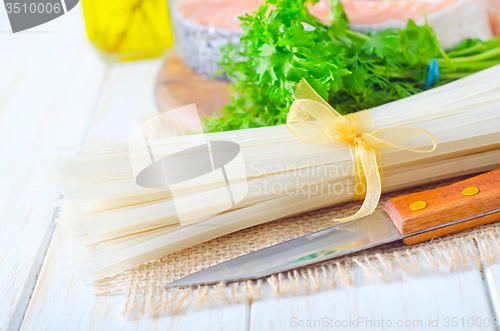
(144, 284)
(477, 246)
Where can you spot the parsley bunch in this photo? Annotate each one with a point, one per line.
(283, 42)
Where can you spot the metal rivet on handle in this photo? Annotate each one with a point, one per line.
(468, 191)
(418, 205)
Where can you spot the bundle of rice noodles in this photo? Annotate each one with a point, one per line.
(110, 207)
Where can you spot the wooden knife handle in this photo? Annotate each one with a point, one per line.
(418, 211)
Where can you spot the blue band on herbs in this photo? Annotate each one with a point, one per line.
(433, 74)
(350, 70)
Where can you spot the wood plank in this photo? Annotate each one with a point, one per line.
(48, 82)
(417, 299)
(492, 278)
(60, 301)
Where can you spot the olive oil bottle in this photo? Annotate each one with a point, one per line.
(128, 29)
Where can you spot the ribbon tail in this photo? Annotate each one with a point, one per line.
(368, 158)
(359, 174)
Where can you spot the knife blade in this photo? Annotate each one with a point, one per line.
(412, 218)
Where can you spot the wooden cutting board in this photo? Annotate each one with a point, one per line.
(177, 85)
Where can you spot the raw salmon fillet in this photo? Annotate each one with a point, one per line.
(494, 16)
(376, 12)
(222, 14)
(201, 27)
(452, 20)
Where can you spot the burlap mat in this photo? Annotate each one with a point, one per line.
(144, 284)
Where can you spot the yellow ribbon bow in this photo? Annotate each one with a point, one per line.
(314, 121)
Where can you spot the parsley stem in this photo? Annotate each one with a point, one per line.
(483, 56)
(471, 65)
(456, 75)
(357, 35)
(467, 51)
(382, 71)
(436, 43)
(443, 53)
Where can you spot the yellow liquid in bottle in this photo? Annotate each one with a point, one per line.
(128, 29)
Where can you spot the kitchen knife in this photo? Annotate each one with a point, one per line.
(412, 218)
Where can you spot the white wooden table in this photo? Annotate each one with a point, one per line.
(56, 91)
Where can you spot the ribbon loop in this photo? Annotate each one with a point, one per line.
(314, 121)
